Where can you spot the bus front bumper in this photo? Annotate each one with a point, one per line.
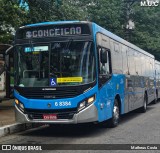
(89, 114)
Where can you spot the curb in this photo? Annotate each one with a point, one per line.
(17, 127)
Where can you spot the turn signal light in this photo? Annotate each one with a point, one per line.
(16, 101)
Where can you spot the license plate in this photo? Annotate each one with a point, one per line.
(49, 116)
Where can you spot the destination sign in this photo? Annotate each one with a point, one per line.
(53, 31)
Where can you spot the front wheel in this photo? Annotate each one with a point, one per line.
(114, 121)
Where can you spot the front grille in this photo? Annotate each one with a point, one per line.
(49, 94)
(50, 111)
(61, 113)
(58, 92)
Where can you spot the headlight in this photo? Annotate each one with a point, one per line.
(82, 105)
(19, 105)
(16, 101)
(86, 102)
(90, 100)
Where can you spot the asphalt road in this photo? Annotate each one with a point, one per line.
(134, 128)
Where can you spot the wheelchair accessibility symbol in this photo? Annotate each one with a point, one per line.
(53, 82)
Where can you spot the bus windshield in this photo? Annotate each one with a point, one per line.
(55, 64)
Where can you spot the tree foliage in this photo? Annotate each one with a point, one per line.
(110, 14)
(147, 31)
(107, 14)
(11, 17)
(53, 10)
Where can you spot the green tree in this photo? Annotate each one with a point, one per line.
(53, 10)
(107, 14)
(11, 17)
(110, 14)
(147, 32)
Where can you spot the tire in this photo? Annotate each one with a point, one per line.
(156, 99)
(144, 107)
(114, 121)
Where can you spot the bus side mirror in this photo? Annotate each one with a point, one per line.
(7, 53)
(103, 56)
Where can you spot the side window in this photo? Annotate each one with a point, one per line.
(138, 63)
(104, 61)
(131, 62)
(125, 59)
(116, 57)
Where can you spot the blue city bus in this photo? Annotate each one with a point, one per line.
(76, 72)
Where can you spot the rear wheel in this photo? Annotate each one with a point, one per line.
(114, 121)
(144, 107)
(156, 98)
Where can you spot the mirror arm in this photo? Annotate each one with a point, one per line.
(2, 70)
(7, 51)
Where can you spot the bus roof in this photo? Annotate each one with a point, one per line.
(52, 23)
